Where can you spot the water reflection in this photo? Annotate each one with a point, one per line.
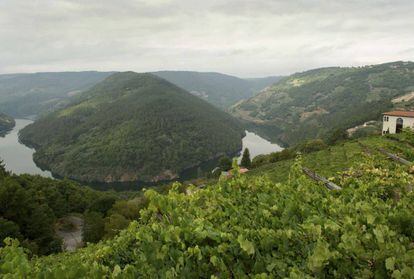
(17, 157)
(258, 145)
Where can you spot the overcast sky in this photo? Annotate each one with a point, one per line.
(244, 38)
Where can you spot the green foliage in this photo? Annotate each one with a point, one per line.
(289, 153)
(245, 161)
(132, 127)
(94, 227)
(129, 208)
(103, 204)
(8, 229)
(250, 226)
(114, 224)
(369, 130)
(336, 136)
(31, 205)
(314, 103)
(225, 163)
(14, 262)
(254, 226)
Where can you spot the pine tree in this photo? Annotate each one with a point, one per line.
(246, 162)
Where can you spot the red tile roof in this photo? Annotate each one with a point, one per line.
(400, 113)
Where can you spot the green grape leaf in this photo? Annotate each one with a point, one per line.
(246, 245)
(390, 263)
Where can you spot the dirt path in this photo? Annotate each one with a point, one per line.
(72, 239)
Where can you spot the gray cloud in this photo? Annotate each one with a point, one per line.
(245, 38)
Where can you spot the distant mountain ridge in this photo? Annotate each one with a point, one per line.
(314, 103)
(132, 127)
(23, 95)
(218, 89)
(31, 94)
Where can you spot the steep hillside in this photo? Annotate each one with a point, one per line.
(314, 103)
(132, 127)
(250, 226)
(218, 89)
(6, 123)
(32, 94)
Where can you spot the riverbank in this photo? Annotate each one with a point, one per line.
(18, 159)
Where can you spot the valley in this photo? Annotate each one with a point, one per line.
(146, 126)
(218, 89)
(206, 139)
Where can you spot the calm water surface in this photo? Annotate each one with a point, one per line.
(258, 145)
(17, 157)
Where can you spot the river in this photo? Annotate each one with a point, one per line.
(18, 158)
(258, 145)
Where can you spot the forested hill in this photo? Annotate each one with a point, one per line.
(24, 95)
(219, 89)
(6, 123)
(314, 103)
(132, 127)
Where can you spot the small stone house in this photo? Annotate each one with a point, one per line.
(394, 121)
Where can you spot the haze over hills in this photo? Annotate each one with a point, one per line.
(314, 103)
(132, 127)
(24, 95)
(219, 89)
(136, 172)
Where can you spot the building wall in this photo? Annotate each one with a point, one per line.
(391, 124)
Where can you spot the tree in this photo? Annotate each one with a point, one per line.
(225, 163)
(114, 224)
(94, 227)
(337, 135)
(8, 229)
(245, 161)
(103, 204)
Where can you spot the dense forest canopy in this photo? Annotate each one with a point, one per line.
(312, 104)
(132, 127)
(31, 205)
(23, 95)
